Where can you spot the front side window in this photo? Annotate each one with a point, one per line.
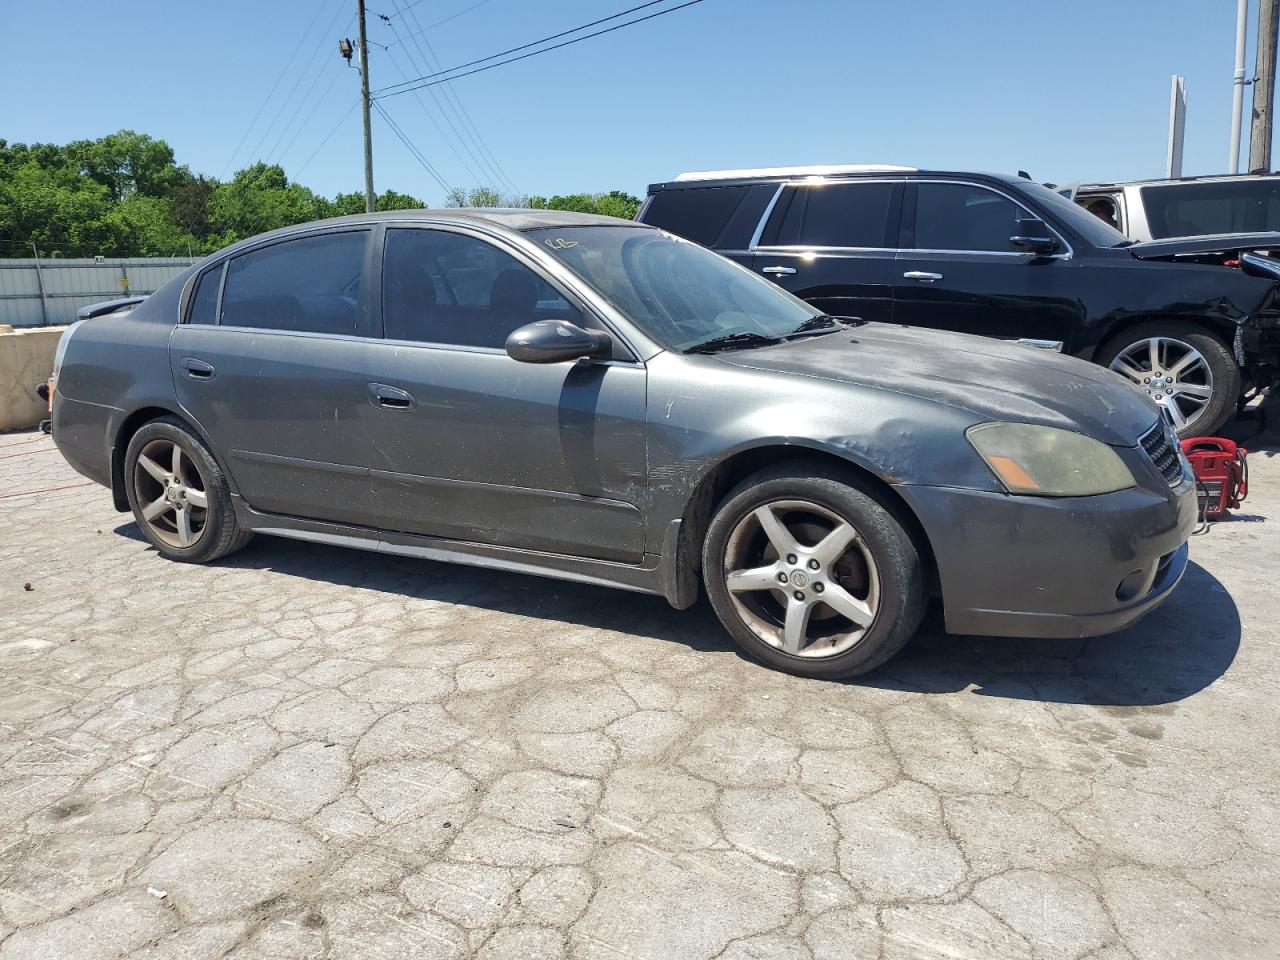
(449, 288)
(831, 215)
(311, 284)
(679, 293)
(960, 216)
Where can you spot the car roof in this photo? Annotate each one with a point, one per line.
(693, 180)
(509, 218)
(1164, 181)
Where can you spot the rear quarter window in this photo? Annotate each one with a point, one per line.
(699, 214)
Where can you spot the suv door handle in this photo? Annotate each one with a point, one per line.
(779, 270)
(392, 398)
(197, 369)
(921, 275)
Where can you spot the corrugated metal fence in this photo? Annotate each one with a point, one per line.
(36, 293)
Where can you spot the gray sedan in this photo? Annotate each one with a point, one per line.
(596, 400)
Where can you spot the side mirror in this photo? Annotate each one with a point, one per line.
(1033, 236)
(557, 341)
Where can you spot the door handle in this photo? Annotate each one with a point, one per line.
(197, 369)
(921, 275)
(392, 398)
(779, 270)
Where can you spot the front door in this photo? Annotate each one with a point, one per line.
(957, 269)
(476, 446)
(273, 363)
(830, 243)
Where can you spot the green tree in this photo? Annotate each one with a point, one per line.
(615, 203)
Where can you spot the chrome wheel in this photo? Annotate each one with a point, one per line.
(170, 494)
(1175, 374)
(801, 578)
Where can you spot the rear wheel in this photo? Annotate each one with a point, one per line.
(1185, 369)
(179, 495)
(812, 575)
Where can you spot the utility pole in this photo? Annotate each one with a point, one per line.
(1237, 87)
(364, 105)
(1264, 87)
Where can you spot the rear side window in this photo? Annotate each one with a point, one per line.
(1199, 209)
(699, 214)
(310, 284)
(204, 302)
(831, 215)
(960, 216)
(449, 288)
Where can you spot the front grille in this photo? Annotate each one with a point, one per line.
(1162, 447)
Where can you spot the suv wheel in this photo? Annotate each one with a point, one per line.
(1186, 369)
(179, 495)
(812, 575)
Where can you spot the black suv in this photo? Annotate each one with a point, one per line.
(1195, 322)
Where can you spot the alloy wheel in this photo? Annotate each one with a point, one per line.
(170, 493)
(802, 578)
(1173, 372)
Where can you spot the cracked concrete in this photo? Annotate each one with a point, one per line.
(310, 752)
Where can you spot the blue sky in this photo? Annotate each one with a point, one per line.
(1064, 90)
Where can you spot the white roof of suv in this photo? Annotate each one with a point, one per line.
(819, 170)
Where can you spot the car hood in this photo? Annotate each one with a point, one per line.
(1215, 243)
(992, 379)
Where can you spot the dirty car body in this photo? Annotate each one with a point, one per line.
(610, 467)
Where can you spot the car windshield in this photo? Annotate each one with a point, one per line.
(679, 293)
(1076, 217)
(1222, 206)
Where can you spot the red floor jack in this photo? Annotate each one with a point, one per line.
(1222, 474)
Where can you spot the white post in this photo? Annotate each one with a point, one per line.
(1237, 88)
(1177, 126)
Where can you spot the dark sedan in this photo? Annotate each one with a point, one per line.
(596, 400)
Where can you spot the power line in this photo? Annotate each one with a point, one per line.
(302, 102)
(417, 154)
(438, 23)
(554, 36)
(294, 89)
(485, 158)
(307, 119)
(329, 136)
(267, 99)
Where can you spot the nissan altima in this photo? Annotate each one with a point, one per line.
(597, 400)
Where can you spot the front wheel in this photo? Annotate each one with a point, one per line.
(1188, 371)
(812, 575)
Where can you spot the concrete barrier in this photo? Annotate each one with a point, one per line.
(26, 360)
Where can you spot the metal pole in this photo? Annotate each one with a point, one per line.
(1264, 86)
(1177, 127)
(1237, 88)
(364, 103)
(44, 300)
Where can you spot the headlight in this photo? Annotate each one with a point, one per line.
(1049, 462)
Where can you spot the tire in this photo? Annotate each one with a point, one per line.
(1128, 353)
(210, 530)
(880, 570)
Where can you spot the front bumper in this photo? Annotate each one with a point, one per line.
(1042, 567)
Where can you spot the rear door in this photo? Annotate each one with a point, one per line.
(831, 243)
(724, 217)
(957, 269)
(479, 447)
(273, 364)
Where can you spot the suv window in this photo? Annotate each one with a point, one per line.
(961, 216)
(310, 284)
(1199, 209)
(831, 215)
(441, 287)
(699, 214)
(204, 302)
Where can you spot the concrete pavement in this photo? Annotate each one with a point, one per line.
(310, 752)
